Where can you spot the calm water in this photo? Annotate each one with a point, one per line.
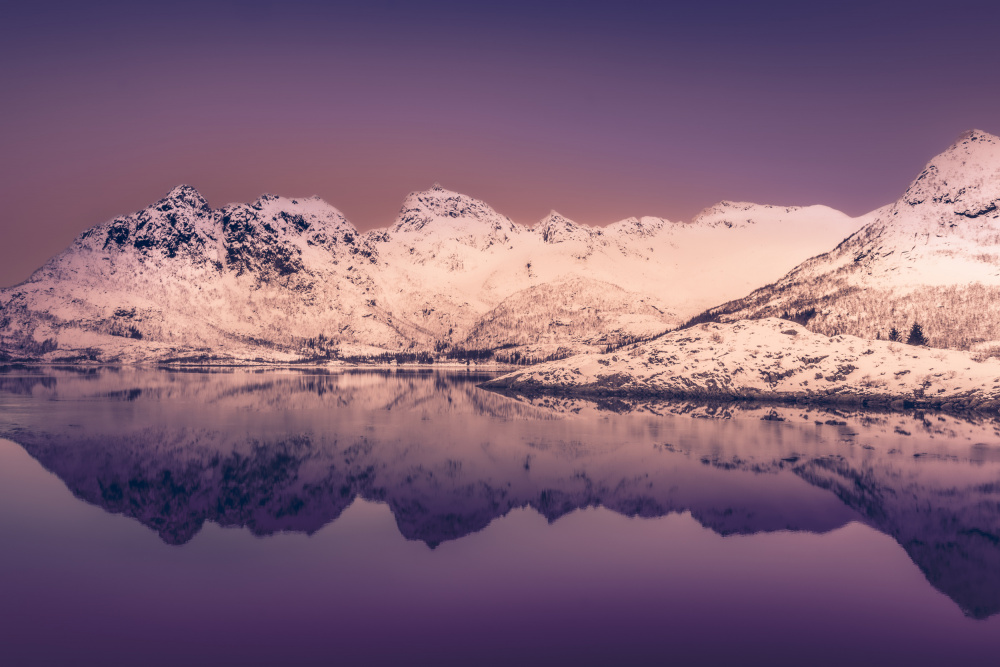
(163, 518)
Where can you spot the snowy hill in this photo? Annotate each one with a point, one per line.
(772, 360)
(285, 279)
(931, 257)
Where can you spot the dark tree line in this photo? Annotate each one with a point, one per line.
(131, 332)
(630, 339)
(915, 337)
(389, 357)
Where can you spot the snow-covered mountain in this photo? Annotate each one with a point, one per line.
(283, 279)
(179, 279)
(931, 257)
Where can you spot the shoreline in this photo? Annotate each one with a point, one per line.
(277, 365)
(892, 403)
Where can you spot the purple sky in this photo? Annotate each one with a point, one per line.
(599, 110)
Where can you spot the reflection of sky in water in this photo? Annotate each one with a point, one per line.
(559, 534)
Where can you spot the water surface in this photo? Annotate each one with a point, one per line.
(279, 517)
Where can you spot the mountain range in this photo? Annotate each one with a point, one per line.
(287, 280)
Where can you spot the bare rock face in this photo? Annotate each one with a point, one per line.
(556, 228)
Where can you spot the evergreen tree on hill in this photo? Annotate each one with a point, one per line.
(916, 336)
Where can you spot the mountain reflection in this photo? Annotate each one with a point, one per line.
(289, 451)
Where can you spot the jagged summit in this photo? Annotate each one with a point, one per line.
(185, 195)
(974, 137)
(303, 212)
(466, 218)
(181, 223)
(556, 228)
(264, 200)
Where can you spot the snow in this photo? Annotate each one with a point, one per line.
(449, 261)
(772, 359)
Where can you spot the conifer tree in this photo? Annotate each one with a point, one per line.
(916, 336)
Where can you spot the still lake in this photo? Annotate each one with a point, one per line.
(283, 518)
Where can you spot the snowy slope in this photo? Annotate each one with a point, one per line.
(933, 257)
(772, 359)
(450, 261)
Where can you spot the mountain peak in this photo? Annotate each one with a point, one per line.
(965, 178)
(464, 217)
(556, 228)
(975, 146)
(556, 217)
(186, 195)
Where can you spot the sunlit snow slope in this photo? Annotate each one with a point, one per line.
(931, 257)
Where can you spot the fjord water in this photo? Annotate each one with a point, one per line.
(281, 517)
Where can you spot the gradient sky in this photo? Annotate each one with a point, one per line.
(599, 110)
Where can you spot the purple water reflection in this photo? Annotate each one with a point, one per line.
(414, 518)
